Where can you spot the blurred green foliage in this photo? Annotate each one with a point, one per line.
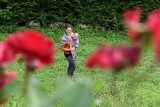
(102, 13)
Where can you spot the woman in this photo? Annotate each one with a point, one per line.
(69, 43)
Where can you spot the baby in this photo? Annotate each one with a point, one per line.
(75, 41)
(75, 35)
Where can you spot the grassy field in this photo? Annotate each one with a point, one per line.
(144, 91)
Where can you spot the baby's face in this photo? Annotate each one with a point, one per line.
(75, 35)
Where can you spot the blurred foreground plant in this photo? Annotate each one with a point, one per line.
(36, 50)
(33, 47)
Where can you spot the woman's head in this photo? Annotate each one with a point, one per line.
(68, 29)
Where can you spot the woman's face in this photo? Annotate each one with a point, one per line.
(68, 31)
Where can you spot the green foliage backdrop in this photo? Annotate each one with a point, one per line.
(91, 12)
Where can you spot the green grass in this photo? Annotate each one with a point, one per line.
(144, 92)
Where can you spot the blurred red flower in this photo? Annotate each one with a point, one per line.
(6, 54)
(116, 58)
(34, 64)
(100, 58)
(132, 54)
(147, 32)
(131, 18)
(6, 77)
(157, 44)
(33, 45)
(153, 22)
(153, 25)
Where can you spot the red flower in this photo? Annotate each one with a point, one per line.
(153, 22)
(153, 25)
(114, 58)
(124, 56)
(132, 54)
(132, 15)
(131, 18)
(33, 46)
(33, 64)
(6, 54)
(6, 77)
(100, 58)
(117, 58)
(157, 44)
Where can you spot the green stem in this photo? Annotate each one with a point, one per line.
(26, 78)
(114, 91)
(130, 86)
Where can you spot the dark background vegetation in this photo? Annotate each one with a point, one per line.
(103, 13)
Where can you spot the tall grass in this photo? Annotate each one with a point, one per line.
(145, 91)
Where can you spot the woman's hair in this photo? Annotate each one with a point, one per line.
(68, 25)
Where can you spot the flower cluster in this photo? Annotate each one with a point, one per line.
(148, 32)
(33, 47)
(116, 58)
(142, 34)
(36, 49)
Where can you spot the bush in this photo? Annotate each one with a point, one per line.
(106, 14)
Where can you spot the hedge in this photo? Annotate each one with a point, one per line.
(104, 13)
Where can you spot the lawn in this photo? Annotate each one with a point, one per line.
(140, 89)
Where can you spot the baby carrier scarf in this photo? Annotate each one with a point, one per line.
(73, 43)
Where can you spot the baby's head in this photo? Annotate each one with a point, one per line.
(75, 35)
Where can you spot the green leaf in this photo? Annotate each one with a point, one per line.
(35, 94)
(10, 88)
(70, 94)
(79, 96)
(64, 86)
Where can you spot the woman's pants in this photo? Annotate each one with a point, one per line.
(71, 66)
